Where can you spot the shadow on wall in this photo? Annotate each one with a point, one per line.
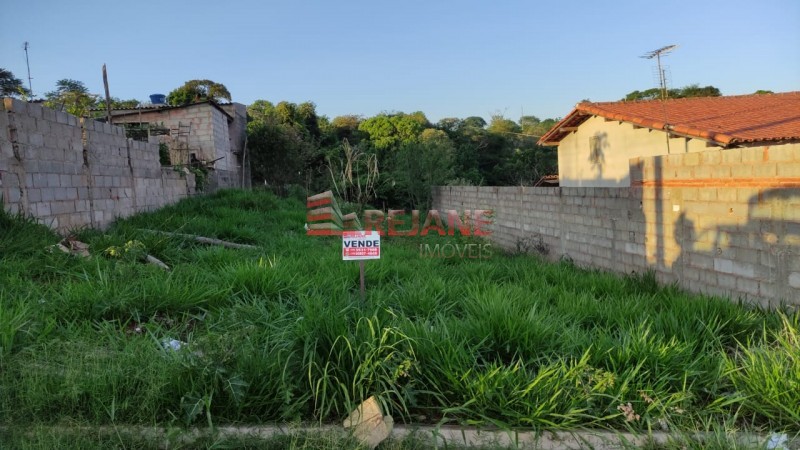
(597, 158)
(756, 256)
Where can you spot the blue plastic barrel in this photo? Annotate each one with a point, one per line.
(158, 99)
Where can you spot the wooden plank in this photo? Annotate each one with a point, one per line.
(205, 240)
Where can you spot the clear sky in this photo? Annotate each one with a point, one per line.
(445, 58)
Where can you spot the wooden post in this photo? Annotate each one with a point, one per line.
(108, 96)
(363, 289)
(244, 156)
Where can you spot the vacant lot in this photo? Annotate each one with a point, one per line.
(243, 336)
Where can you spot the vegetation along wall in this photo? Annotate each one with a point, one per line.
(70, 172)
(724, 222)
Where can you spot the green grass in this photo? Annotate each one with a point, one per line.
(281, 334)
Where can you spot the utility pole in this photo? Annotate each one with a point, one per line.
(27, 62)
(108, 96)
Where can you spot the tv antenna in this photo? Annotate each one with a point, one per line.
(662, 77)
(30, 85)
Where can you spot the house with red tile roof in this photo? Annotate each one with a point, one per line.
(596, 140)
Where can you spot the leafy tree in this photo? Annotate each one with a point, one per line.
(346, 127)
(390, 131)
(286, 112)
(290, 143)
(762, 92)
(260, 110)
(306, 114)
(500, 124)
(692, 90)
(284, 143)
(419, 165)
(71, 96)
(276, 154)
(474, 122)
(194, 91)
(117, 103)
(649, 94)
(11, 86)
(531, 125)
(530, 163)
(468, 137)
(449, 124)
(380, 131)
(420, 118)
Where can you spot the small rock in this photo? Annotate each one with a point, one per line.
(368, 423)
(74, 247)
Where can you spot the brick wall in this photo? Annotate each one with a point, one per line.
(721, 222)
(70, 172)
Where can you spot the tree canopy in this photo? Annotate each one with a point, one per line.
(400, 156)
(118, 103)
(11, 86)
(194, 91)
(71, 96)
(692, 90)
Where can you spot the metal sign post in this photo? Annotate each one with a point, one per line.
(361, 276)
(360, 246)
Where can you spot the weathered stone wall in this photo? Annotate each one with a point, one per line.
(720, 222)
(71, 173)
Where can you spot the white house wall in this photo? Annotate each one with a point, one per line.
(606, 162)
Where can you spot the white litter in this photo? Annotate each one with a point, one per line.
(777, 442)
(172, 344)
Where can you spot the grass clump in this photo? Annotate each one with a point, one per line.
(280, 333)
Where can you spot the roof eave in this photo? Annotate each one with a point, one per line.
(554, 136)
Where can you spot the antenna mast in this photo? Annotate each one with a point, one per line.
(30, 85)
(662, 78)
(662, 81)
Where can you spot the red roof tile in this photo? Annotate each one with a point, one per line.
(723, 120)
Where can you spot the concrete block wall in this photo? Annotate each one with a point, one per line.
(222, 142)
(70, 172)
(724, 222)
(211, 136)
(201, 136)
(237, 129)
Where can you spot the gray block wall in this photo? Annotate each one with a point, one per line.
(70, 172)
(722, 223)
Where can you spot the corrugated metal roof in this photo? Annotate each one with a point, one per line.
(149, 108)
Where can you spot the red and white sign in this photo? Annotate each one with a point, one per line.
(358, 245)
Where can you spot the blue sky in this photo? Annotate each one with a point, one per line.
(445, 58)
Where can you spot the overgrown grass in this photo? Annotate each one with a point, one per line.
(281, 334)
